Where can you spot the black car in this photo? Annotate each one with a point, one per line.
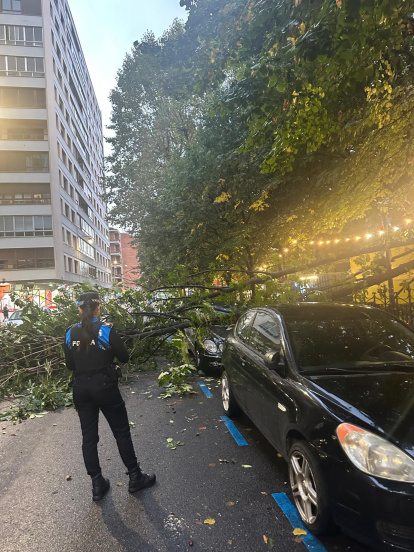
(332, 388)
(206, 343)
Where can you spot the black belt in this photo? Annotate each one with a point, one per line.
(90, 371)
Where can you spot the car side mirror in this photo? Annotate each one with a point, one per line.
(274, 361)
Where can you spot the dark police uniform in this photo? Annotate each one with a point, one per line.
(95, 387)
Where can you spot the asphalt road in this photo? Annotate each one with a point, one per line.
(203, 479)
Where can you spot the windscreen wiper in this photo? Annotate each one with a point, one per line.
(377, 367)
(330, 369)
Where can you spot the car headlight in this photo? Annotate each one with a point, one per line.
(374, 455)
(210, 346)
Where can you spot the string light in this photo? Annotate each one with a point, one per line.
(367, 236)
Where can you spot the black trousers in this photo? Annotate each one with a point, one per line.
(94, 393)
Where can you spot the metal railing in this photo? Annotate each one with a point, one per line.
(402, 306)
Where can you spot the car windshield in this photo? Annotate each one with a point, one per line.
(16, 315)
(350, 339)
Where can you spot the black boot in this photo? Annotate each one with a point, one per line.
(139, 480)
(100, 486)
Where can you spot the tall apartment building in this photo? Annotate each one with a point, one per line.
(52, 215)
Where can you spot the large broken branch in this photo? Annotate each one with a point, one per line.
(371, 281)
(308, 266)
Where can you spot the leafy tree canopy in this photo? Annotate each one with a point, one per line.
(260, 122)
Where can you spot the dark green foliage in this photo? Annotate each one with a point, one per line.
(295, 118)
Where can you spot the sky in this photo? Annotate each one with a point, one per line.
(107, 30)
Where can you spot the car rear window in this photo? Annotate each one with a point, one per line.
(350, 338)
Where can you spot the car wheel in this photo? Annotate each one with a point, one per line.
(309, 488)
(230, 405)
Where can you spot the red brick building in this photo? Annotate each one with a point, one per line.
(129, 261)
(124, 259)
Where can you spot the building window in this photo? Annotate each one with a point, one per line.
(22, 259)
(23, 130)
(24, 7)
(37, 162)
(20, 35)
(25, 225)
(22, 97)
(19, 161)
(21, 66)
(11, 6)
(25, 199)
(86, 249)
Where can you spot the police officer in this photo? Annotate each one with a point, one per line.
(90, 349)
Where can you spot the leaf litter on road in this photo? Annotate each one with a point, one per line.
(209, 521)
(269, 541)
(173, 444)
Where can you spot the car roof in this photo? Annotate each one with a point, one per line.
(324, 310)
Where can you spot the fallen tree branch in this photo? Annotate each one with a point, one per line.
(372, 281)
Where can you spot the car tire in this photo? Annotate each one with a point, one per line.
(309, 488)
(230, 406)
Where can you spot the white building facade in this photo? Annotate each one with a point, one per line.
(52, 212)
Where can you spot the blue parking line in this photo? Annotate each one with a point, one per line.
(309, 540)
(238, 437)
(205, 389)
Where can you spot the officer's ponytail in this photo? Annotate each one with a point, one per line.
(88, 312)
(88, 303)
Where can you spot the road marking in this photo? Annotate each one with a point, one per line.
(238, 437)
(309, 540)
(205, 389)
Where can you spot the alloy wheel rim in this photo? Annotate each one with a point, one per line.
(225, 393)
(302, 483)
